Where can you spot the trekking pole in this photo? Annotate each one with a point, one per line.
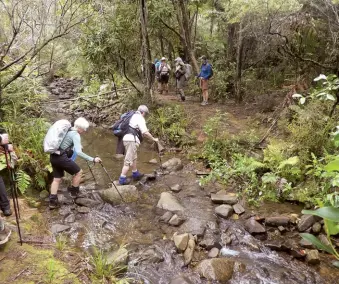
(14, 195)
(90, 169)
(14, 179)
(111, 181)
(159, 154)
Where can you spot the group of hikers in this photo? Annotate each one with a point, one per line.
(182, 74)
(63, 140)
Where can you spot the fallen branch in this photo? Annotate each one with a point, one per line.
(18, 275)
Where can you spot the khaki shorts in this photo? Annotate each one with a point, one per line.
(131, 152)
(204, 84)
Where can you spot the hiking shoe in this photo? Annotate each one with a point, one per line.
(124, 181)
(183, 98)
(7, 212)
(73, 191)
(203, 103)
(137, 176)
(4, 232)
(53, 201)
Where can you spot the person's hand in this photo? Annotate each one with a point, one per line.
(97, 160)
(156, 139)
(4, 139)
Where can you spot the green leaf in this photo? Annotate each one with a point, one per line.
(332, 166)
(332, 228)
(320, 77)
(329, 213)
(330, 97)
(315, 241)
(289, 162)
(335, 263)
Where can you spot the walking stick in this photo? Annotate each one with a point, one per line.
(111, 181)
(90, 169)
(14, 194)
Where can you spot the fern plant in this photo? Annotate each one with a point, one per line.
(23, 180)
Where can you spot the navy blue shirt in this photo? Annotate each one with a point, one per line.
(205, 71)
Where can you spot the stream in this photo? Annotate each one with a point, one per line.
(153, 257)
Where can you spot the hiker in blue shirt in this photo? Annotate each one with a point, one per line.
(205, 74)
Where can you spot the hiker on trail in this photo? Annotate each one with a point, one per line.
(180, 70)
(157, 78)
(62, 162)
(133, 138)
(163, 73)
(205, 74)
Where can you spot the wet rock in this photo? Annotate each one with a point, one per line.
(173, 165)
(43, 194)
(65, 201)
(166, 217)
(254, 227)
(224, 199)
(274, 246)
(181, 241)
(176, 220)
(281, 229)
(217, 269)
(324, 240)
(214, 252)
(316, 228)
(83, 209)
(65, 210)
(128, 192)
(209, 242)
(64, 96)
(87, 202)
(188, 254)
(147, 178)
(296, 253)
(225, 239)
(58, 228)
(306, 222)
(180, 280)
(194, 226)
(153, 161)
(312, 257)
(238, 209)
(176, 188)
(224, 210)
(70, 218)
(168, 202)
(306, 244)
(277, 221)
(118, 257)
(250, 242)
(151, 255)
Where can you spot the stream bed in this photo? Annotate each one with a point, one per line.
(152, 255)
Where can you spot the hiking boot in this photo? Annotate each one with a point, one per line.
(182, 98)
(73, 191)
(124, 181)
(203, 103)
(53, 201)
(137, 176)
(7, 212)
(4, 232)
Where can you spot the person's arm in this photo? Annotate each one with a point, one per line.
(144, 131)
(78, 149)
(150, 137)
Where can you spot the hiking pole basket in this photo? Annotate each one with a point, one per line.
(12, 182)
(112, 181)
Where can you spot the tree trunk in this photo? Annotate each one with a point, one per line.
(162, 45)
(146, 52)
(231, 31)
(238, 92)
(187, 34)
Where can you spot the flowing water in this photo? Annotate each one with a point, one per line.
(153, 257)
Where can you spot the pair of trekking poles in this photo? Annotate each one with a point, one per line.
(14, 190)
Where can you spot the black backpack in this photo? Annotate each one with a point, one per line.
(121, 127)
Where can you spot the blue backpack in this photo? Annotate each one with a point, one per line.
(121, 127)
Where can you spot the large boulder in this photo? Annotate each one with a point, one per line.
(216, 269)
(181, 241)
(224, 210)
(306, 222)
(86, 202)
(254, 227)
(168, 202)
(173, 165)
(224, 199)
(128, 192)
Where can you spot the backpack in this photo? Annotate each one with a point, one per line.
(55, 135)
(211, 72)
(188, 72)
(121, 127)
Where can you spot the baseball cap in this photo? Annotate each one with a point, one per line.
(143, 108)
(163, 58)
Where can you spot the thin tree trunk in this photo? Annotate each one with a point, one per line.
(162, 45)
(238, 92)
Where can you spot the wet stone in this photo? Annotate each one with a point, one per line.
(194, 226)
(254, 227)
(324, 240)
(87, 202)
(214, 252)
(312, 257)
(166, 217)
(274, 246)
(238, 209)
(224, 210)
(281, 229)
(316, 228)
(209, 242)
(173, 165)
(277, 221)
(65, 210)
(188, 254)
(180, 280)
(306, 222)
(118, 257)
(70, 218)
(176, 188)
(217, 269)
(181, 241)
(306, 244)
(176, 220)
(151, 255)
(224, 199)
(58, 228)
(83, 209)
(168, 202)
(296, 253)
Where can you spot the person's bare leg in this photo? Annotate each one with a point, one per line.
(134, 166)
(76, 179)
(124, 171)
(206, 95)
(55, 185)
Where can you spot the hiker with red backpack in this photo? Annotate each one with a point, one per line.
(131, 127)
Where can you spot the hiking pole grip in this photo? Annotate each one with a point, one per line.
(112, 181)
(15, 204)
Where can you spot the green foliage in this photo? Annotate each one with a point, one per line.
(51, 271)
(23, 180)
(61, 242)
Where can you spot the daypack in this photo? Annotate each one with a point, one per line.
(188, 72)
(121, 127)
(55, 135)
(211, 72)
